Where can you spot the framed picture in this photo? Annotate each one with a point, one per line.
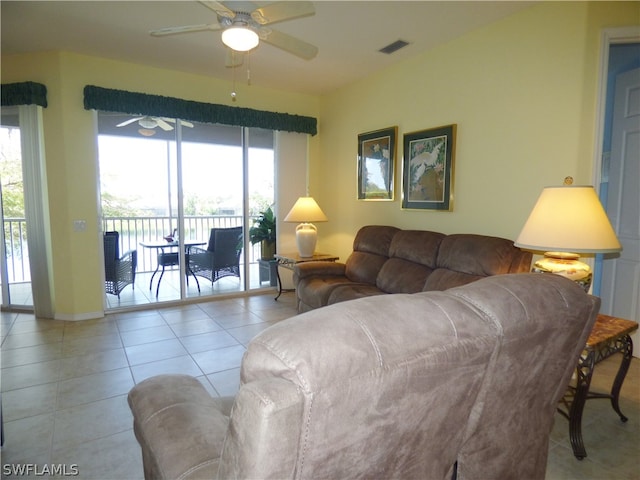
(376, 162)
(427, 173)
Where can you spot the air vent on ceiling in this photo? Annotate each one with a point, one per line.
(394, 47)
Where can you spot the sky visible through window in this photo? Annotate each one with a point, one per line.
(137, 172)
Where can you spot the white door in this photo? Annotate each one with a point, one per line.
(621, 276)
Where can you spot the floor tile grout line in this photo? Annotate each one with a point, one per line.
(55, 416)
(177, 337)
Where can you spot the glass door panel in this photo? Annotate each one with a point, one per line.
(15, 274)
(212, 192)
(261, 201)
(138, 188)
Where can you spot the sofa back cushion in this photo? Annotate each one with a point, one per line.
(370, 252)
(412, 257)
(464, 258)
(544, 322)
(356, 389)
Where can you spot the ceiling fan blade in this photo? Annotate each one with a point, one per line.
(219, 8)
(281, 11)
(291, 44)
(184, 123)
(233, 59)
(128, 122)
(161, 32)
(162, 124)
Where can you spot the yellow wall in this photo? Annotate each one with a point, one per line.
(70, 149)
(522, 92)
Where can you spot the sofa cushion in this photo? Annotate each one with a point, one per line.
(315, 291)
(417, 246)
(351, 291)
(443, 279)
(372, 389)
(370, 251)
(364, 267)
(401, 276)
(476, 254)
(412, 257)
(374, 239)
(544, 321)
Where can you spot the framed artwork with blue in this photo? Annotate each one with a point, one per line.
(376, 164)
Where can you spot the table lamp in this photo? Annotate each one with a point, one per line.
(564, 222)
(305, 211)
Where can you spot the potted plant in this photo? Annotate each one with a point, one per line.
(264, 232)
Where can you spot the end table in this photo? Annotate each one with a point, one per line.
(609, 335)
(288, 261)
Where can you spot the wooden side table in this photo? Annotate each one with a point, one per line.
(609, 335)
(288, 260)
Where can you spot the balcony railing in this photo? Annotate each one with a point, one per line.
(133, 230)
(17, 252)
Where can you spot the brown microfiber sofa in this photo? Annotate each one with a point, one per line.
(386, 259)
(384, 387)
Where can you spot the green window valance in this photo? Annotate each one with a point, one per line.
(134, 103)
(23, 93)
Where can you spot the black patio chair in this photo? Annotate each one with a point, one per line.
(119, 271)
(222, 256)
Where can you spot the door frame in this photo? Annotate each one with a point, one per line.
(610, 36)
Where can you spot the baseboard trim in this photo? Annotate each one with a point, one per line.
(79, 317)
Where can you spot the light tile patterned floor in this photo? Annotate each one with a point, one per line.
(64, 386)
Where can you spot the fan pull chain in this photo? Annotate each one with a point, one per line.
(233, 61)
(248, 57)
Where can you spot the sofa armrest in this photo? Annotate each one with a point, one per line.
(308, 269)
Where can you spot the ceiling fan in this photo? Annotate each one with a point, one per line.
(242, 30)
(149, 123)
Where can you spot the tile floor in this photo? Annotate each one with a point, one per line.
(64, 387)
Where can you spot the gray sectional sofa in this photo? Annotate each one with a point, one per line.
(395, 387)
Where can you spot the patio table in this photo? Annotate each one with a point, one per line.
(171, 258)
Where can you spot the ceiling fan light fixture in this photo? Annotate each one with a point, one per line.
(147, 122)
(145, 132)
(240, 38)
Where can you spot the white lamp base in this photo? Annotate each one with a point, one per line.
(306, 237)
(566, 265)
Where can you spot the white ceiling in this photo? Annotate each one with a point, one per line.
(347, 33)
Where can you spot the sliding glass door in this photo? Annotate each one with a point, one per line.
(15, 274)
(182, 180)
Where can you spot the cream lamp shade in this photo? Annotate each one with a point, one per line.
(305, 211)
(564, 222)
(240, 38)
